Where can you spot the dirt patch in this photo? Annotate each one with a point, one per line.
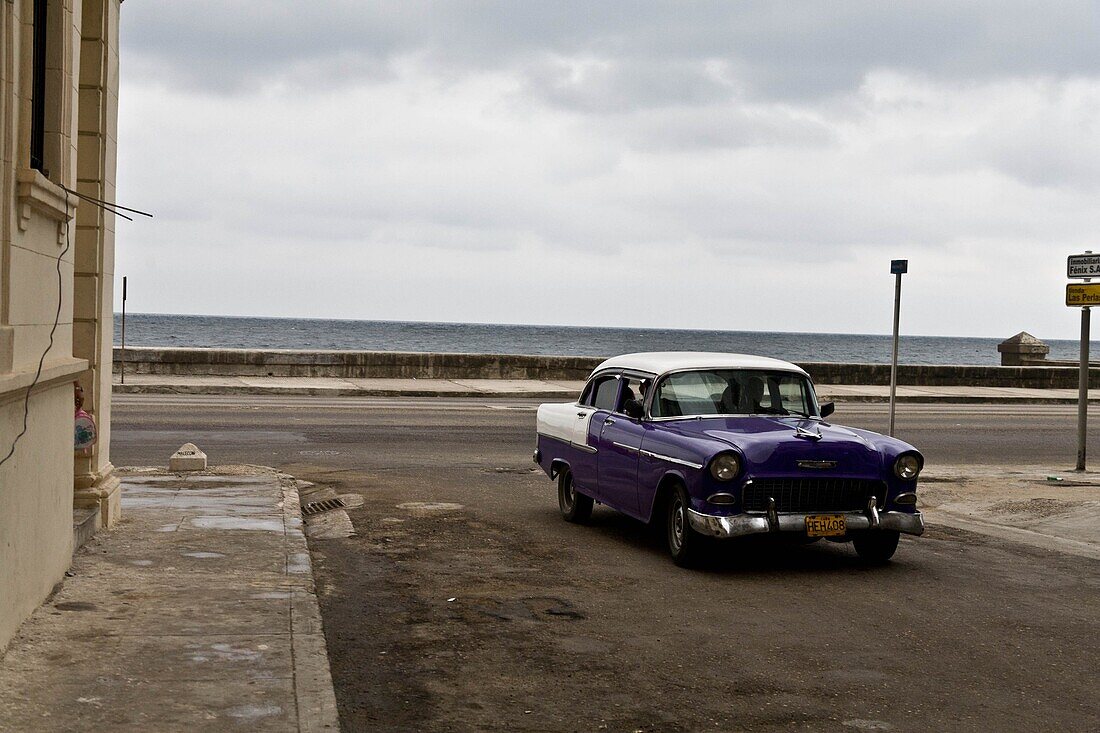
(1038, 507)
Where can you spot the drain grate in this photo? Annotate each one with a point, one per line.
(326, 505)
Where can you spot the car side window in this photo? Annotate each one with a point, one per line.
(604, 394)
(632, 390)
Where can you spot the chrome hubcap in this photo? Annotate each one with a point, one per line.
(567, 494)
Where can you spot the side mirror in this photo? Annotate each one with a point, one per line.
(634, 409)
(827, 409)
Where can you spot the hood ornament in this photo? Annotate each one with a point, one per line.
(802, 432)
(817, 464)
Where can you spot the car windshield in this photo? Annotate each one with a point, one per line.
(733, 392)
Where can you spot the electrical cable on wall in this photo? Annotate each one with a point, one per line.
(106, 206)
(53, 330)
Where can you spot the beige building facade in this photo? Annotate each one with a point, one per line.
(58, 130)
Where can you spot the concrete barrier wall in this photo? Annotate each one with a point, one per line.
(353, 364)
(418, 365)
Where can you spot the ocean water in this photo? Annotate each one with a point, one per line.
(147, 329)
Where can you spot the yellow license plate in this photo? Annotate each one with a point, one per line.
(826, 525)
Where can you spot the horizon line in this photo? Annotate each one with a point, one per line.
(559, 325)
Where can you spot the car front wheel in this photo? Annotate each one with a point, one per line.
(683, 541)
(876, 546)
(574, 507)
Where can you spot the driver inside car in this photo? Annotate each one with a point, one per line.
(752, 396)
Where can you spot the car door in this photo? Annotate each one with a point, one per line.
(596, 404)
(618, 447)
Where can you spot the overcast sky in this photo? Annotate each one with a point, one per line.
(743, 166)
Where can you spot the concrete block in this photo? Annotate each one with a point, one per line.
(90, 159)
(92, 57)
(187, 458)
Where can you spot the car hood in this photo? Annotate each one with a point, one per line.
(775, 445)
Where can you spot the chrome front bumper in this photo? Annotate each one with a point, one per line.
(744, 524)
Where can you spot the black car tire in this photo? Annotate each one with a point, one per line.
(575, 507)
(876, 546)
(683, 541)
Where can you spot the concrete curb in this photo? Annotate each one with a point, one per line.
(1021, 535)
(313, 691)
(219, 389)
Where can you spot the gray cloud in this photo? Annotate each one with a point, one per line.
(777, 50)
(464, 160)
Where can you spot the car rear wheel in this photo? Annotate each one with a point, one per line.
(575, 507)
(876, 546)
(683, 541)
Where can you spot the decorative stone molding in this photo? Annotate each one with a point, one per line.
(36, 193)
(13, 385)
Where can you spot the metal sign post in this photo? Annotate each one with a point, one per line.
(1083, 267)
(1083, 390)
(897, 268)
(123, 352)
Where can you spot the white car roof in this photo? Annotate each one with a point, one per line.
(660, 362)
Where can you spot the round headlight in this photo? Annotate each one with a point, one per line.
(725, 467)
(907, 467)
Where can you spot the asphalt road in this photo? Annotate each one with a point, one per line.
(555, 626)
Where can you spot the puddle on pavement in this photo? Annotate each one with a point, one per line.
(243, 523)
(203, 555)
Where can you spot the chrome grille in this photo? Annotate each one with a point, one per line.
(801, 495)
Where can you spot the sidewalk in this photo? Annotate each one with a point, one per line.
(1033, 505)
(536, 389)
(197, 613)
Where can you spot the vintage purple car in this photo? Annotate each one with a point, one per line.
(725, 445)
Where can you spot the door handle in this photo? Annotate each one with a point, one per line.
(582, 414)
(608, 421)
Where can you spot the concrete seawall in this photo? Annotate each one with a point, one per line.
(418, 365)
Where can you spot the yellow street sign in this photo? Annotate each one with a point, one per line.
(1081, 294)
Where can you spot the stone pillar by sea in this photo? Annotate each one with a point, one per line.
(1023, 349)
(93, 304)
